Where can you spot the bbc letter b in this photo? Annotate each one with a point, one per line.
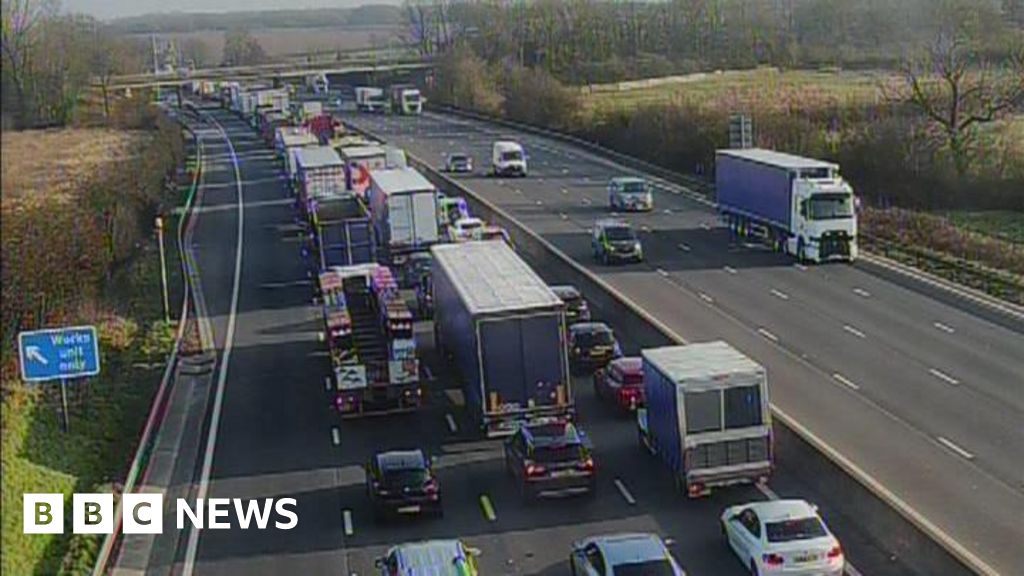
(43, 513)
(93, 513)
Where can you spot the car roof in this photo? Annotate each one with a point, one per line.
(629, 364)
(565, 291)
(401, 460)
(628, 180)
(591, 327)
(780, 510)
(630, 548)
(612, 222)
(458, 155)
(436, 555)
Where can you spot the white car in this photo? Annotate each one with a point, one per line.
(782, 537)
(623, 554)
(466, 229)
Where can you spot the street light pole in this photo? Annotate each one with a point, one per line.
(163, 269)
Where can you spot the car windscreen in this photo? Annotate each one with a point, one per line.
(587, 339)
(660, 567)
(634, 187)
(511, 156)
(796, 529)
(619, 234)
(458, 158)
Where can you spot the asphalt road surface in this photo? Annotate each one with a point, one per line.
(924, 395)
(274, 432)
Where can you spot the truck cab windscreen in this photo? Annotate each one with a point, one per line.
(831, 206)
(511, 156)
(588, 339)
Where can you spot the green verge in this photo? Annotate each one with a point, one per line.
(107, 414)
(1001, 224)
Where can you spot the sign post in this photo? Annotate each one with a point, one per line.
(163, 268)
(59, 354)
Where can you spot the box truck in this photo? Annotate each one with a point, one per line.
(707, 415)
(403, 205)
(320, 176)
(797, 205)
(504, 331)
(359, 161)
(370, 99)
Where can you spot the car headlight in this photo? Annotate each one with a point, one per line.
(637, 246)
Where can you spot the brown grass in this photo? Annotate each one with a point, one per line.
(277, 42)
(53, 164)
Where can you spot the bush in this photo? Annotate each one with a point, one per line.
(464, 80)
(534, 96)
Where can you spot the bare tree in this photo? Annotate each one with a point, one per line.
(242, 49)
(959, 91)
(20, 20)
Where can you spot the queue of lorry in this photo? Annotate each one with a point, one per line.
(377, 226)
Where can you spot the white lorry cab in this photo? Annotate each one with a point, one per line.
(508, 158)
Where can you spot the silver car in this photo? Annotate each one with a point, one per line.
(458, 163)
(630, 194)
(623, 555)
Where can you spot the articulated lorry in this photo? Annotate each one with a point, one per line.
(343, 234)
(504, 331)
(406, 100)
(706, 415)
(403, 205)
(370, 99)
(288, 140)
(798, 205)
(369, 333)
(360, 160)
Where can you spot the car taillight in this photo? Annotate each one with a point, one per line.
(772, 559)
(835, 552)
(534, 469)
(430, 487)
(587, 465)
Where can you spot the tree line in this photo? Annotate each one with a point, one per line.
(583, 41)
(366, 15)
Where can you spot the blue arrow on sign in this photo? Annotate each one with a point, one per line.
(59, 353)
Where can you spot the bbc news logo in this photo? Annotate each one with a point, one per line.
(144, 513)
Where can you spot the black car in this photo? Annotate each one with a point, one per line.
(550, 458)
(592, 345)
(414, 269)
(402, 482)
(576, 309)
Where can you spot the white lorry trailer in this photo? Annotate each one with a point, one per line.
(706, 415)
(403, 205)
(798, 205)
(370, 99)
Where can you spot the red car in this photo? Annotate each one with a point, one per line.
(621, 382)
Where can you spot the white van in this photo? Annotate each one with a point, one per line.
(508, 158)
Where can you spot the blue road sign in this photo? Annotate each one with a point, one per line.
(59, 353)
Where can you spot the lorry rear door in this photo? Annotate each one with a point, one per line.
(424, 205)
(400, 219)
(522, 361)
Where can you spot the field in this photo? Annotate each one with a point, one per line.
(740, 89)
(279, 42)
(46, 165)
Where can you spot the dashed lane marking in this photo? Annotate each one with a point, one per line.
(955, 448)
(346, 517)
(327, 382)
(625, 492)
(335, 436)
(764, 332)
(705, 298)
(943, 327)
(662, 272)
(862, 293)
(487, 508)
(684, 247)
(780, 294)
(846, 381)
(800, 267)
(729, 269)
(452, 427)
(854, 331)
(943, 376)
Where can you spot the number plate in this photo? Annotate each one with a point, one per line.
(560, 473)
(806, 558)
(409, 509)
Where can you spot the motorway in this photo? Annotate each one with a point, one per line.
(271, 431)
(922, 394)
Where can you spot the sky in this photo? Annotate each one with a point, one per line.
(107, 9)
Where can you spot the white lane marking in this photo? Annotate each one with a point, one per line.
(565, 190)
(452, 427)
(540, 202)
(952, 446)
(943, 327)
(705, 226)
(729, 269)
(646, 229)
(346, 516)
(563, 215)
(767, 334)
(662, 272)
(800, 267)
(780, 294)
(327, 382)
(518, 191)
(625, 492)
(565, 170)
(862, 293)
(222, 377)
(335, 436)
(706, 298)
(849, 383)
(854, 331)
(943, 376)
(586, 201)
(320, 336)
(684, 247)
(667, 210)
